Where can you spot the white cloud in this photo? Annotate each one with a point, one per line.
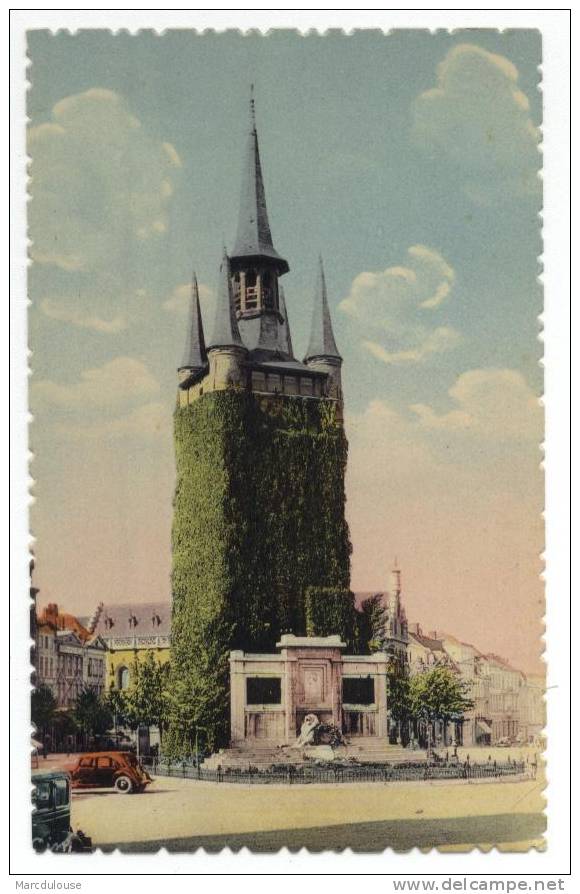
(478, 118)
(117, 383)
(496, 404)
(486, 446)
(149, 421)
(397, 306)
(98, 180)
(68, 312)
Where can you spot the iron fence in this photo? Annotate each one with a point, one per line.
(304, 774)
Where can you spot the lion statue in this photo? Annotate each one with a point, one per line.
(306, 736)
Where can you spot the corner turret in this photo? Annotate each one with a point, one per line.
(225, 350)
(194, 355)
(322, 353)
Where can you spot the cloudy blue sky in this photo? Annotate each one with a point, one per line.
(410, 162)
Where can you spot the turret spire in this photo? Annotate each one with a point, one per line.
(322, 343)
(194, 355)
(254, 238)
(225, 328)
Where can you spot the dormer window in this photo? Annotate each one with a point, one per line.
(133, 621)
(109, 623)
(156, 621)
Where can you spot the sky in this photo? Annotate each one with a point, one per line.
(410, 162)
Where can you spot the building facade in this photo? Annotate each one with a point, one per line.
(394, 636)
(69, 657)
(131, 632)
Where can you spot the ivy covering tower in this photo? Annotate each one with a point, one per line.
(259, 523)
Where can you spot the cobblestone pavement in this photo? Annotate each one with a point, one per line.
(184, 814)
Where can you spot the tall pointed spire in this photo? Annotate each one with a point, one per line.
(285, 338)
(225, 328)
(194, 355)
(254, 238)
(322, 343)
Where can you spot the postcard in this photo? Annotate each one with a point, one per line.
(286, 394)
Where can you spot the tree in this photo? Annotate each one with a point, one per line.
(43, 708)
(371, 619)
(146, 700)
(116, 703)
(399, 694)
(197, 691)
(91, 713)
(439, 694)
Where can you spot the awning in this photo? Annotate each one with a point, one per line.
(483, 726)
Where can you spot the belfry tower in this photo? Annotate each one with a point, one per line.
(259, 520)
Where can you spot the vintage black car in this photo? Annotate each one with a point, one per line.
(51, 815)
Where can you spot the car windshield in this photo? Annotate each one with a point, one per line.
(132, 760)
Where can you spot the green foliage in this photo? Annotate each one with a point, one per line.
(258, 518)
(145, 703)
(399, 691)
(116, 704)
(42, 708)
(371, 620)
(330, 611)
(439, 694)
(91, 713)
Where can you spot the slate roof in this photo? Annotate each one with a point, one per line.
(254, 237)
(194, 355)
(144, 613)
(285, 338)
(322, 343)
(225, 327)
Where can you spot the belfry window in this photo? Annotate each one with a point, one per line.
(268, 290)
(252, 290)
(237, 292)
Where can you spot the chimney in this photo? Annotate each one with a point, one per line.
(51, 612)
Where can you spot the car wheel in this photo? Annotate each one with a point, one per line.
(124, 785)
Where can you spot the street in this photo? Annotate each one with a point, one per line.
(183, 814)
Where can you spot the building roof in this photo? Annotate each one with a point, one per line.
(50, 616)
(225, 327)
(501, 662)
(194, 354)
(254, 237)
(322, 343)
(434, 645)
(118, 619)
